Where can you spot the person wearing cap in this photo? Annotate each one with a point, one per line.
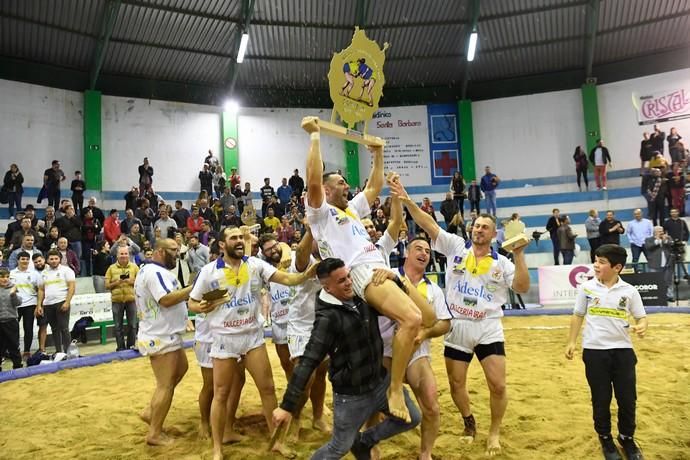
(51, 181)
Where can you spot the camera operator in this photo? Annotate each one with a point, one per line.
(660, 249)
(119, 280)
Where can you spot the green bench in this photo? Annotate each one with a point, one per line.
(103, 326)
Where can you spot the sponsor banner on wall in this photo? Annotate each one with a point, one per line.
(558, 284)
(661, 106)
(444, 142)
(651, 287)
(405, 130)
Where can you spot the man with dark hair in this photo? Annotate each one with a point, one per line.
(267, 192)
(235, 326)
(180, 215)
(78, 186)
(51, 181)
(676, 227)
(336, 225)
(599, 157)
(297, 183)
(26, 279)
(346, 329)
(552, 227)
(55, 293)
(610, 229)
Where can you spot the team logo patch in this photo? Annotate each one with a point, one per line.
(491, 287)
(215, 284)
(333, 212)
(623, 303)
(496, 275)
(457, 259)
(242, 311)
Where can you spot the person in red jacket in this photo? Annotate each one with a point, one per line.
(111, 226)
(195, 220)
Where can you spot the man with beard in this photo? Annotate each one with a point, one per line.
(336, 225)
(478, 280)
(39, 263)
(236, 326)
(162, 320)
(55, 292)
(292, 319)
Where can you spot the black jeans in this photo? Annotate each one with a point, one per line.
(460, 201)
(607, 370)
(474, 206)
(593, 245)
(53, 196)
(556, 249)
(657, 211)
(26, 315)
(9, 341)
(59, 326)
(582, 173)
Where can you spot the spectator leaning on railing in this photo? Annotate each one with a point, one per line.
(119, 280)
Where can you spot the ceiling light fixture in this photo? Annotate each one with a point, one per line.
(472, 46)
(243, 47)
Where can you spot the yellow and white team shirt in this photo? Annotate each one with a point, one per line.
(475, 289)
(55, 282)
(341, 234)
(242, 313)
(27, 283)
(606, 312)
(153, 282)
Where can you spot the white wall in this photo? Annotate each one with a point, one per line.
(528, 136)
(174, 136)
(618, 117)
(38, 125)
(272, 144)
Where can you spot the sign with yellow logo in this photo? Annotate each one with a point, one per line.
(355, 81)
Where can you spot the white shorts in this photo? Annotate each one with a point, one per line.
(226, 346)
(424, 350)
(202, 351)
(279, 334)
(465, 335)
(361, 277)
(149, 345)
(297, 344)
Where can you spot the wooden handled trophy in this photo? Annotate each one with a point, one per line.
(355, 80)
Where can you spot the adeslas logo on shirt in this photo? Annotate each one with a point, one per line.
(279, 295)
(239, 301)
(464, 288)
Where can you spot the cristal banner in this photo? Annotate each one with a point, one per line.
(661, 106)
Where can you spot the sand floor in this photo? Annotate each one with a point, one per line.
(91, 413)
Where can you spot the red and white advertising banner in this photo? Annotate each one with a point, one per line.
(661, 106)
(558, 284)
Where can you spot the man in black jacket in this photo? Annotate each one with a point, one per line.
(346, 328)
(610, 229)
(449, 208)
(600, 158)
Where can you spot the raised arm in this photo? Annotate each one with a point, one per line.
(375, 182)
(314, 163)
(303, 252)
(395, 221)
(293, 279)
(424, 220)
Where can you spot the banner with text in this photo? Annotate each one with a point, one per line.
(661, 106)
(405, 130)
(558, 284)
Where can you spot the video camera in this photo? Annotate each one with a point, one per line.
(678, 248)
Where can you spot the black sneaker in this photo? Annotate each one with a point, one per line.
(360, 450)
(470, 430)
(608, 448)
(630, 448)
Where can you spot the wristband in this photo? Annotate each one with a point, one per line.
(315, 136)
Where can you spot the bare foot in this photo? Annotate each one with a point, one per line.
(425, 456)
(375, 454)
(217, 454)
(283, 450)
(320, 425)
(231, 437)
(145, 415)
(161, 440)
(397, 406)
(173, 431)
(493, 446)
(204, 431)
